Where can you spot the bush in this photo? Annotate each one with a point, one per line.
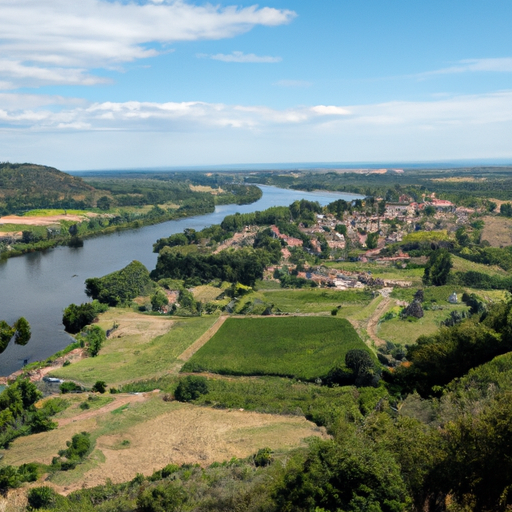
(162, 498)
(100, 386)
(75, 317)
(69, 387)
(263, 457)
(41, 497)
(190, 388)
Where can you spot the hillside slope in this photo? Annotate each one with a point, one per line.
(26, 186)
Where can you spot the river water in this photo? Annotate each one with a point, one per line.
(40, 285)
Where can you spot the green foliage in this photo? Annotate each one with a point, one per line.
(12, 477)
(506, 210)
(301, 347)
(20, 331)
(121, 286)
(438, 359)
(75, 317)
(263, 457)
(77, 450)
(100, 386)
(158, 301)
(437, 268)
(93, 337)
(19, 417)
(162, 498)
(28, 186)
(70, 387)
(191, 388)
(372, 240)
(344, 475)
(245, 265)
(41, 497)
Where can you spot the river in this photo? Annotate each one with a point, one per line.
(40, 285)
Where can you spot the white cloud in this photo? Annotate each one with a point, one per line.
(330, 110)
(54, 113)
(242, 58)
(56, 131)
(43, 41)
(499, 65)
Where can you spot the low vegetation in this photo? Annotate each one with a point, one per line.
(299, 347)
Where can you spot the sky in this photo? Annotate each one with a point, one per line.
(101, 84)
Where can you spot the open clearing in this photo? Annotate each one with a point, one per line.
(497, 231)
(142, 346)
(145, 436)
(46, 220)
(301, 347)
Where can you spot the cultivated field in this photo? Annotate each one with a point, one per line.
(300, 347)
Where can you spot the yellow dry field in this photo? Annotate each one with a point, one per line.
(497, 231)
(459, 179)
(205, 188)
(145, 327)
(147, 434)
(40, 221)
(206, 293)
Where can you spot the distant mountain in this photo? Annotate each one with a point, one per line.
(27, 186)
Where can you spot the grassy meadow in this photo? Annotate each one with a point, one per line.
(143, 346)
(300, 347)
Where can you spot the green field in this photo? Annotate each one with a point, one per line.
(134, 356)
(317, 300)
(299, 347)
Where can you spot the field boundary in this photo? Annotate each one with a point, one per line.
(202, 340)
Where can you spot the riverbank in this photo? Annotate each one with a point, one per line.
(40, 284)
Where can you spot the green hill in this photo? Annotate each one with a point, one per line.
(28, 186)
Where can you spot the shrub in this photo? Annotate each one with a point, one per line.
(162, 498)
(190, 388)
(41, 497)
(263, 457)
(69, 387)
(100, 386)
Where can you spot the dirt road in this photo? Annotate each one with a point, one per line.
(119, 401)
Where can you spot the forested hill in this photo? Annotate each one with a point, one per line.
(26, 186)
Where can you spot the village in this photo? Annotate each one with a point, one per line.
(360, 236)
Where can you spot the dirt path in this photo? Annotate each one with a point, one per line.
(201, 341)
(119, 401)
(374, 320)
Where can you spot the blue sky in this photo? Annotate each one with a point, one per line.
(102, 84)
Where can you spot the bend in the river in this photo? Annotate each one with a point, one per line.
(40, 285)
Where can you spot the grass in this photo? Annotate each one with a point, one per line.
(378, 270)
(49, 212)
(313, 300)
(463, 265)
(133, 356)
(404, 332)
(497, 231)
(206, 293)
(300, 347)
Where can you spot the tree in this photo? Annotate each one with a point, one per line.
(190, 388)
(372, 240)
(362, 366)
(158, 301)
(103, 203)
(438, 268)
(100, 386)
(20, 331)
